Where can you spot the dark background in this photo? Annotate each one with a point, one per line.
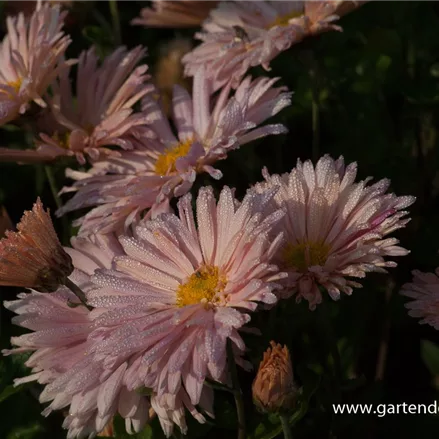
(374, 92)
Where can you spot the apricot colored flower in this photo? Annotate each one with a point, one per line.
(182, 13)
(33, 257)
(239, 35)
(335, 228)
(185, 287)
(142, 181)
(424, 290)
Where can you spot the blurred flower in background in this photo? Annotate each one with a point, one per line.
(425, 291)
(182, 13)
(27, 7)
(243, 34)
(168, 71)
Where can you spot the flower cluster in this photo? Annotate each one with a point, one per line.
(239, 35)
(165, 295)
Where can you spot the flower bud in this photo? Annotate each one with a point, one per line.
(33, 257)
(273, 388)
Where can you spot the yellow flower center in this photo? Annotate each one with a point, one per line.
(166, 161)
(13, 84)
(304, 255)
(283, 20)
(62, 139)
(202, 287)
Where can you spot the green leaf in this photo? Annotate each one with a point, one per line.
(430, 356)
(28, 432)
(12, 390)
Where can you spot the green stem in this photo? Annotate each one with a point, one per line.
(52, 184)
(77, 292)
(236, 391)
(315, 115)
(53, 188)
(114, 10)
(328, 334)
(285, 427)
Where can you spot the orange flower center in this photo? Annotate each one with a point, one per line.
(283, 20)
(304, 255)
(202, 287)
(62, 139)
(166, 161)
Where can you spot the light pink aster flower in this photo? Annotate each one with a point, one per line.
(126, 186)
(335, 229)
(243, 34)
(31, 56)
(61, 342)
(183, 288)
(182, 13)
(425, 291)
(102, 114)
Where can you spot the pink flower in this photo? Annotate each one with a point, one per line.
(335, 229)
(102, 114)
(182, 13)
(182, 290)
(31, 56)
(425, 292)
(143, 180)
(61, 342)
(243, 34)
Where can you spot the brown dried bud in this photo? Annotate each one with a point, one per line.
(5, 222)
(33, 257)
(181, 13)
(108, 431)
(273, 388)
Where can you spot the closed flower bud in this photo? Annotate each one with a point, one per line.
(5, 222)
(33, 257)
(273, 388)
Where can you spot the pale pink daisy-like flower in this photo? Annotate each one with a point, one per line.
(143, 180)
(61, 343)
(335, 228)
(185, 287)
(425, 291)
(103, 113)
(182, 13)
(31, 56)
(243, 34)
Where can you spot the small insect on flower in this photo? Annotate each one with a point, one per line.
(33, 257)
(273, 388)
